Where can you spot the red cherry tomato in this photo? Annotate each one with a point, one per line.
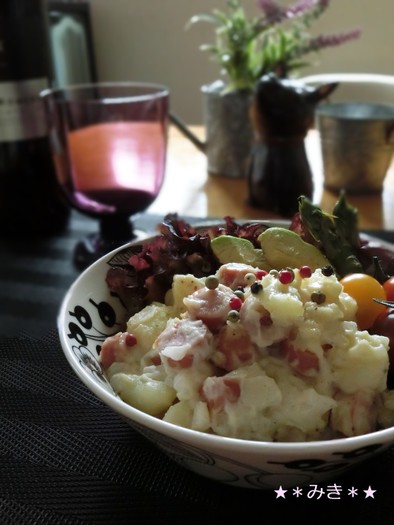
(384, 325)
(389, 288)
(364, 288)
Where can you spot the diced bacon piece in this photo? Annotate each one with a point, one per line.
(234, 345)
(183, 342)
(210, 306)
(116, 348)
(266, 320)
(233, 274)
(217, 391)
(302, 361)
(156, 359)
(354, 414)
(185, 362)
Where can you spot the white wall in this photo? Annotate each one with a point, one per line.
(146, 40)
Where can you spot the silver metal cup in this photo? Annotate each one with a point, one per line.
(357, 145)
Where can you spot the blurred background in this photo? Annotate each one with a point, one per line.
(147, 40)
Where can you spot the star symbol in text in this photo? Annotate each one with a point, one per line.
(280, 493)
(369, 493)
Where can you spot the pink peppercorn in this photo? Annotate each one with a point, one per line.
(286, 276)
(260, 274)
(305, 272)
(235, 303)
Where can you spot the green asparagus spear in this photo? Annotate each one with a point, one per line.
(346, 220)
(332, 239)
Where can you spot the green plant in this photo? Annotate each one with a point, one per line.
(275, 41)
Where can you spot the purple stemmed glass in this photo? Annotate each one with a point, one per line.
(109, 143)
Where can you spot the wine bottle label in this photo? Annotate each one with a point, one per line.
(22, 114)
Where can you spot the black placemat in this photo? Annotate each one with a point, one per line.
(66, 458)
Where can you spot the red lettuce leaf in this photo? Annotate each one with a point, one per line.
(142, 274)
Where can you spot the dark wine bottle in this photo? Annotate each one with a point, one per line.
(31, 202)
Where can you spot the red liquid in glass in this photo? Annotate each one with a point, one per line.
(122, 201)
(116, 167)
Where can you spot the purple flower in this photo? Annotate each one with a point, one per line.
(270, 8)
(322, 41)
(274, 13)
(300, 7)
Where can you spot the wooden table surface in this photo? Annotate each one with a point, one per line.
(189, 190)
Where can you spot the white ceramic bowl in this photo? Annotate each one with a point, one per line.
(89, 313)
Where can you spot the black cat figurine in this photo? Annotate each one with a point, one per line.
(282, 113)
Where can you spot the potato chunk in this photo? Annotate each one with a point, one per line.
(148, 323)
(142, 392)
(182, 286)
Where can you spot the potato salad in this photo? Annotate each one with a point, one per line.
(257, 355)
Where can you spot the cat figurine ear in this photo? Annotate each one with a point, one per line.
(322, 92)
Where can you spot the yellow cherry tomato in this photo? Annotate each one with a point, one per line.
(364, 288)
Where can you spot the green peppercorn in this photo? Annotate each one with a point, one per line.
(250, 278)
(233, 316)
(211, 282)
(240, 294)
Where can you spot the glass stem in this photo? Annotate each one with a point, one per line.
(115, 228)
